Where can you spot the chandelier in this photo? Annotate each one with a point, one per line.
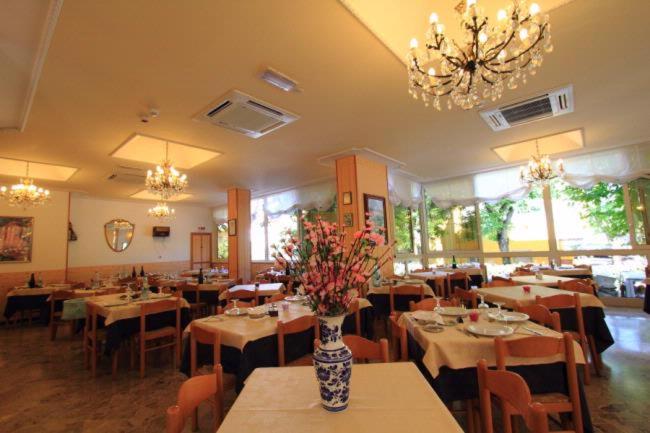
(161, 211)
(25, 193)
(166, 181)
(539, 171)
(488, 58)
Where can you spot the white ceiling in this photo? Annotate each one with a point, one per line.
(109, 62)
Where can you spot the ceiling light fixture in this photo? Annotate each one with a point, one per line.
(487, 59)
(166, 181)
(25, 193)
(539, 171)
(162, 211)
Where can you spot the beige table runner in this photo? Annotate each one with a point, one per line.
(390, 398)
(515, 295)
(238, 331)
(113, 313)
(547, 280)
(455, 349)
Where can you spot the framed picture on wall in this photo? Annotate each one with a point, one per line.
(348, 219)
(232, 227)
(375, 209)
(347, 197)
(16, 237)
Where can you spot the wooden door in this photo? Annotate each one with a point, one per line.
(201, 250)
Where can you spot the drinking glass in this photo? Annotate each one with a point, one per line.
(234, 304)
(437, 308)
(499, 312)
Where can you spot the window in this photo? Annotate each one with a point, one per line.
(589, 219)
(639, 197)
(514, 225)
(407, 230)
(278, 227)
(258, 230)
(451, 229)
(222, 242)
(504, 266)
(615, 275)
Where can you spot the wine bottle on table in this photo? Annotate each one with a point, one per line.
(200, 276)
(133, 274)
(32, 281)
(142, 271)
(454, 265)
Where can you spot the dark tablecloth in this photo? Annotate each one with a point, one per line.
(28, 302)
(381, 302)
(263, 352)
(462, 384)
(646, 302)
(595, 324)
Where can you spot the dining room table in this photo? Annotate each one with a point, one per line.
(593, 309)
(390, 397)
(263, 290)
(541, 279)
(379, 295)
(248, 343)
(437, 277)
(24, 298)
(573, 272)
(448, 356)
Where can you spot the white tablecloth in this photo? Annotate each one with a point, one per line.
(388, 398)
(547, 280)
(113, 313)
(264, 290)
(515, 295)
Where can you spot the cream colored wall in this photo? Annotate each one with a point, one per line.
(88, 216)
(50, 234)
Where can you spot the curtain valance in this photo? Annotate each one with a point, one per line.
(319, 196)
(220, 215)
(404, 191)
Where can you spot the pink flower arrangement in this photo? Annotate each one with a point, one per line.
(331, 272)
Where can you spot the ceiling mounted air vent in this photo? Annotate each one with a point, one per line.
(125, 174)
(240, 112)
(553, 103)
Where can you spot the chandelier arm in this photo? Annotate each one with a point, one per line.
(539, 38)
(500, 46)
(487, 80)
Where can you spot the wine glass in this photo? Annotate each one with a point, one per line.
(234, 305)
(499, 304)
(437, 308)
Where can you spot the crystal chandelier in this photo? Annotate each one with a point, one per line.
(488, 58)
(539, 171)
(166, 181)
(161, 211)
(25, 193)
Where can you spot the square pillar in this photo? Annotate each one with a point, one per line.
(239, 242)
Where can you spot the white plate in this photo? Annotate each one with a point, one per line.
(426, 316)
(433, 328)
(490, 330)
(509, 316)
(236, 312)
(454, 311)
(295, 298)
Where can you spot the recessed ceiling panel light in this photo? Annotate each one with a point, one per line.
(549, 145)
(148, 149)
(146, 195)
(37, 170)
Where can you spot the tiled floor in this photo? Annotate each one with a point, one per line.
(44, 387)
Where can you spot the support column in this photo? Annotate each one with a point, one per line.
(357, 177)
(239, 242)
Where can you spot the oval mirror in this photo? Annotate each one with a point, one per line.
(119, 234)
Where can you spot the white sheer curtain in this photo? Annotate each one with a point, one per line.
(319, 196)
(619, 165)
(403, 191)
(220, 215)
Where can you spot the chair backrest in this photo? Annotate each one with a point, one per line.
(421, 270)
(500, 282)
(275, 298)
(62, 295)
(404, 290)
(191, 393)
(512, 389)
(126, 280)
(429, 304)
(354, 309)
(458, 276)
(566, 301)
(544, 347)
(577, 285)
(91, 319)
(242, 294)
(364, 349)
(398, 335)
(294, 326)
(465, 296)
(522, 273)
(240, 304)
(204, 335)
(542, 315)
(79, 285)
(161, 306)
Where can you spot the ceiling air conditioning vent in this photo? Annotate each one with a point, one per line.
(240, 112)
(553, 103)
(125, 174)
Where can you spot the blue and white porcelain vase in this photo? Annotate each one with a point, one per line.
(333, 364)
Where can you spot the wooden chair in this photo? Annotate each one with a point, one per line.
(421, 270)
(240, 304)
(542, 315)
(275, 298)
(522, 273)
(192, 393)
(577, 285)
(354, 309)
(500, 282)
(452, 281)
(93, 339)
(429, 304)
(364, 350)
(170, 333)
(55, 316)
(465, 296)
(543, 347)
(243, 295)
(587, 344)
(295, 326)
(79, 285)
(398, 338)
(510, 388)
(198, 309)
(405, 290)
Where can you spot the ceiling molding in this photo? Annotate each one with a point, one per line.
(365, 152)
